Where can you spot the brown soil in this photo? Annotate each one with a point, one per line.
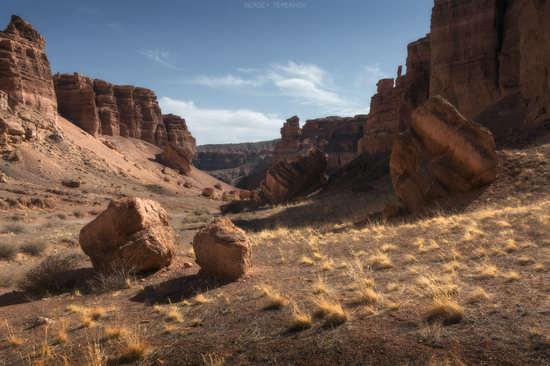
(490, 259)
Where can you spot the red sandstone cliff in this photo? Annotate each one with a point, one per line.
(25, 70)
(489, 58)
(335, 136)
(101, 108)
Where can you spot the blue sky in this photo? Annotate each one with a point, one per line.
(235, 69)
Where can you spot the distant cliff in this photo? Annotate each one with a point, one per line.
(241, 165)
(335, 136)
(101, 108)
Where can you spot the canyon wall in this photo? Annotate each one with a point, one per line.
(335, 136)
(25, 74)
(241, 165)
(101, 108)
(489, 58)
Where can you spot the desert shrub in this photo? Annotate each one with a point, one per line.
(34, 248)
(117, 278)
(196, 216)
(50, 275)
(11, 274)
(8, 250)
(155, 188)
(62, 216)
(79, 214)
(14, 229)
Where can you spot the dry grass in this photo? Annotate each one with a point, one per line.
(274, 298)
(478, 294)
(512, 276)
(94, 355)
(320, 286)
(134, 348)
(331, 311)
(62, 336)
(114, 332)
(380, 261)
(525, 260)
(12, 339)
(174, 315)
(444, 310)
(211, 359)
(201, 299)
(510, 246)
(307, 261)
(300, 320)
(487, 270)
(51, 274)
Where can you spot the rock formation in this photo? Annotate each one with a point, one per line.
(25, 73)
(107, 108)
(222, 250)
(101, 108)
(442, 153)
(335, 136)
(77, 102)
(287, 180)
(240, 165)
(178, 157)
(177, 131)
(134, 233)
(488, 58)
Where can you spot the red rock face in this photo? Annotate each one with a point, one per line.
(335, 136)
(287, 180)
(107, 108)
(177, 131)
(535, 60)
(441, 154)
(474, 52)
(289, 146)
(77, 101)
(101, 108)
(25, 73)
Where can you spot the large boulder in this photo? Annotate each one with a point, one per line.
(178, 157)
(132, 232)
(442, 153)
(222, 250)
(287, 180)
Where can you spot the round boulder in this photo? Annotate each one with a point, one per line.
(222, 250)
(132, 232)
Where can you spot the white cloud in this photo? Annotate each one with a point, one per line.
(161, 57)
(307, 92)
(369, 76)
(216, 126)
(226, 82)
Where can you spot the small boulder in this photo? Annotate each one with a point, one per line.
(222, 250)
(132, 232)
(443, 153)
(208, 192)
(14, 156)
(230, 196)
(187, 185)
(218, 186)
(71, 183)
(3, 178)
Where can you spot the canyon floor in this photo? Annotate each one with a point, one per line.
(332, 284)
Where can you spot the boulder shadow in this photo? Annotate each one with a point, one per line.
(178, 289)
(72, 279)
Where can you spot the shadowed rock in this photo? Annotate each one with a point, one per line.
(442, 153)
(287, 180)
